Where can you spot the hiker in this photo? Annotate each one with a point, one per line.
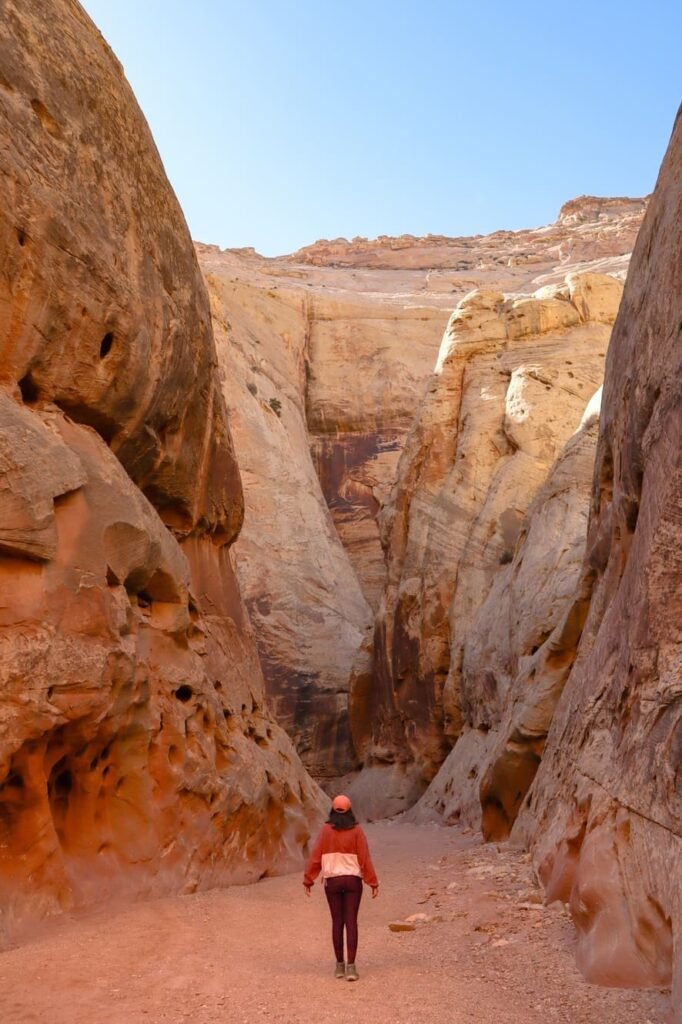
(342, 855)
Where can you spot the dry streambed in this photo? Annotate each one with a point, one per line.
(483, 949)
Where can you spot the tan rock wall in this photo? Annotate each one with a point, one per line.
(514, 662)
(136, 752)
(304, 599)
(605, 817)
(329, 352)
(368, 359)
(101, 287)
(510, 386)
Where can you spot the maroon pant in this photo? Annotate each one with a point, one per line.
(344, 893)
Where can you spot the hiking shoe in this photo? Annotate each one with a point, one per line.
(352, 973)
(340, 971)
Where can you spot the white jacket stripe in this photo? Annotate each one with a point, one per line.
(334, 864)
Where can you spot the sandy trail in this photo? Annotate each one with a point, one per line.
(263, 952)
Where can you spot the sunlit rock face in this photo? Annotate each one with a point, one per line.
(511, 383)
(588, 229)
(325, 357)
(605, 813)
(514, 662)
(136, 751)
(101, 289)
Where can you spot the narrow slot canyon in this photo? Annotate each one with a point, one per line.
(393, 517)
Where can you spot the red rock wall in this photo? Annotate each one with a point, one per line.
(136, 752)
(605, 814)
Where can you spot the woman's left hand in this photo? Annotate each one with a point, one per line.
(375, 891)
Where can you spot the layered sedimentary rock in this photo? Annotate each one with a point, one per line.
(320, 384)
(136, 753)
(605, 814)
(588, 228)
(304, 599)
(332, 362)
(368, 359)
(513, 662)
(511, 383)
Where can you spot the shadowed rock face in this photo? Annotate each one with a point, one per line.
(510, 386)
(304, 599)
(605, 814)
(136, 753)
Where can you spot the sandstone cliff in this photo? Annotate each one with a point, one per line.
(320, 377)
(605, 814)
(324, 367)
(588, 228)
(304, 598)
(512, 671)
(136, 752)
(511, 383)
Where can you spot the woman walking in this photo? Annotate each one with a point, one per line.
(342, 855)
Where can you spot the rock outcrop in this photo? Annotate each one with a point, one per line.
(605, 814)
(303, 597)
(588, 228)
(511, 672)
(320, 384)
(136, 752)
(510, 386)
(323, 368)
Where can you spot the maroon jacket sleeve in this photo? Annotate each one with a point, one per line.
(369, 875)
(314, 864)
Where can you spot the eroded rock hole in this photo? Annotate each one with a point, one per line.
(63, 784)
(21, 237)
(29, 389)
(105, 344)
(184, 693)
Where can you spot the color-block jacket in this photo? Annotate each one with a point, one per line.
(340, 852)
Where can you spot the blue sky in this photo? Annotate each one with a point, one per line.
(283, 121)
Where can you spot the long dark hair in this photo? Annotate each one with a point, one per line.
(342, 819)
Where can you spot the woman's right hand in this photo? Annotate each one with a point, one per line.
(375, 891)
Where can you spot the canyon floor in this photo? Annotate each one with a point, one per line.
(491, 952)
